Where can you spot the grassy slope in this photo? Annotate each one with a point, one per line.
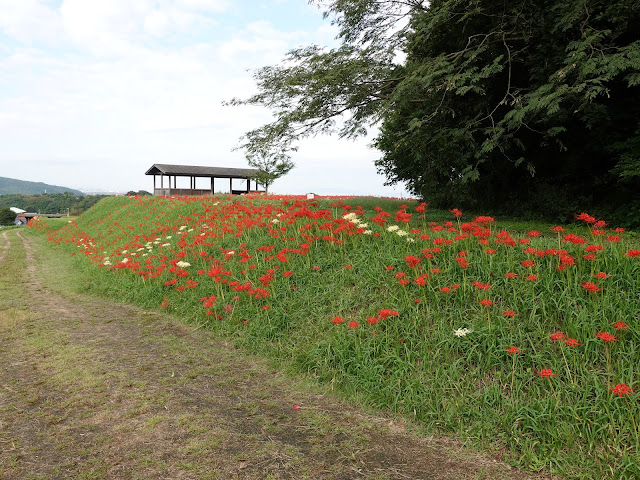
(93, 389)
(411, 362)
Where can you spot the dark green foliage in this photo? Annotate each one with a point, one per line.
(50, 203)
(526, 107)
(11, 185)
(7, 217)
(140, 193)
(521, 108)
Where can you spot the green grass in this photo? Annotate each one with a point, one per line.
(411, 361)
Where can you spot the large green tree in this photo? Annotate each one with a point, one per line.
(482, 104)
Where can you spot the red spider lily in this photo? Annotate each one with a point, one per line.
(485, 302)
(545, 373)
(337, 320)
(208, 301)
(372, 320)
(385, 312)
(585, 217)
(422, 279)
(566, 259)
(456, 212)
(491, 251)
(620, 326)
(403, 217)
(422, 207)
(481, 286)
(589, 256)
(528, 263)
(445, 290)
(165, 303)
(512, 350)
(591, 287)
(510, 275)
(455, 286)
(601, 275)
(558, 229)
(348, 267)
(606, 337)
(412, 261)
(572, 342)
(533, 233)
(509, 313)
(531, 277)
(389, 267)
(575, 239)
(381, 218)
(593, 248)
(296, 406)
(633, 253)
(403, 281)
(557, 336)
(621, 390)
(613, 239)
(484, 220)
(353, 324)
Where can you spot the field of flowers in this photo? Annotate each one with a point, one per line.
(526, 343)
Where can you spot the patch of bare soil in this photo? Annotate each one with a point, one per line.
(91, 389)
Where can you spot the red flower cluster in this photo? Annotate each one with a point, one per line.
(606, 337)
(621, 390)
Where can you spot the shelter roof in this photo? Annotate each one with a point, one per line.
(199, 171)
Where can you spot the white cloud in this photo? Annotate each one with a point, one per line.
(29, 21)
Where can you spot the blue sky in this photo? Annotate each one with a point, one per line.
(93, 92)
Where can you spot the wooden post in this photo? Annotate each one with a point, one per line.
(230, 185)
(248, 185)
(211, 185)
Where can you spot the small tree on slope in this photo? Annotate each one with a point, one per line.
(270, 167)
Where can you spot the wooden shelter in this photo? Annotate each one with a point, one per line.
(171, 172)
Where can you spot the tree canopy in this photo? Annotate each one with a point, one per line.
(501, 106)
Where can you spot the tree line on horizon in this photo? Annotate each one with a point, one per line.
(50, 202)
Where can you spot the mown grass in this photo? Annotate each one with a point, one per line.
(395, 317)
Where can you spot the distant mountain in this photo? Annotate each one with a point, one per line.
(11, 185)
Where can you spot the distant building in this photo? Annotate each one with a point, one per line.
(24, 217)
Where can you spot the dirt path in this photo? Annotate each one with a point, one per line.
(91, 389)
